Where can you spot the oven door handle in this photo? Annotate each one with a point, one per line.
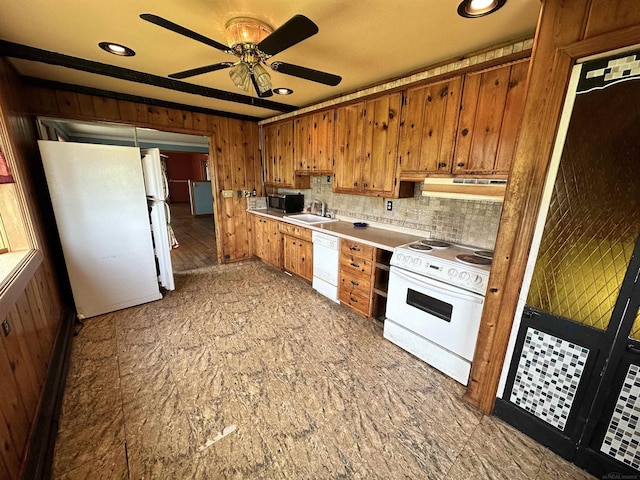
(437, 286)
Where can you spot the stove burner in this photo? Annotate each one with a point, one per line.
(420, 246)
(437, 244)
(473, 259)
(484, 253)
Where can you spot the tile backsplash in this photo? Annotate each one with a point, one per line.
(470, 222)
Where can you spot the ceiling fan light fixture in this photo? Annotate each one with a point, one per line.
(282, 91)
(479, 8)
(241, 30)
(240, 76)
(116, 49)
(263, 79)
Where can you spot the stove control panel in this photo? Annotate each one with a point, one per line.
(438, 269)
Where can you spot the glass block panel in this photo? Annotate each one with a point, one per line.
(594, 216)
(622, 439)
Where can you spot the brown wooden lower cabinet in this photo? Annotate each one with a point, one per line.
(356, 275)
(364, 277)
(265, 237)
(297, 256)
(283, 245)
(297, 250)
(363, 271)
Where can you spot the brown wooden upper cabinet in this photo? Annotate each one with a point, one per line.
(365, 147)
(313, 143)
(277, 156)
(428, 129)
(490, 116)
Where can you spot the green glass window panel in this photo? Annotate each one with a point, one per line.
(594, 217)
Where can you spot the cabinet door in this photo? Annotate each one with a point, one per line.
(512, 118)
(284, 148)
(428, 129)
(322, 141)
(255, 236)
(269, 154)
(489, 99)
(290, 252)
(382, 128)
(259, 237)
(273, 244)
(347, 148)
(305, 258)
(303, 143)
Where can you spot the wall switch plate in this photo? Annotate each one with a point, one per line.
(389, 205)
(227, 193)
(6, 328)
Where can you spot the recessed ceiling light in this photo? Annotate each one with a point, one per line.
(116, 49)
(479, 8)
(282, 91)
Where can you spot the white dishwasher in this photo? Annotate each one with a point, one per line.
(326, 252)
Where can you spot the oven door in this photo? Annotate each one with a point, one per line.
(445, 315)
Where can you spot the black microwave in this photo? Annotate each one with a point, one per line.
(286, 202)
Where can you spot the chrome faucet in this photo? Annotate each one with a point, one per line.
(322, 207)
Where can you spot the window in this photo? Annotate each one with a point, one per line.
(19, 254)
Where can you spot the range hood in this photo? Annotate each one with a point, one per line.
(486, 189)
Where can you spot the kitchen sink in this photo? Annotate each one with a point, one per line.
(309, 219)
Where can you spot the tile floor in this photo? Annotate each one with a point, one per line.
(313, 391)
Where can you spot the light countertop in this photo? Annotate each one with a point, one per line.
(374, 236)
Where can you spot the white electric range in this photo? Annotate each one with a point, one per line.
(434, 302)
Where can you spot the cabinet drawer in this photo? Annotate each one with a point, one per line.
(355, 301)
(354, 266)
(295, 230)
(355, 248)
(360, 285)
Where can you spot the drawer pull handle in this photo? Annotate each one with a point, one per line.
(353, 300)
(353, 264)
(355, 249)
(353, 282)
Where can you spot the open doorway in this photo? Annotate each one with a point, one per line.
(191, 209)
(185, 163)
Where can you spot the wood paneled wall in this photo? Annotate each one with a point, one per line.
(567, 31)
(234, 157)
(35, 317)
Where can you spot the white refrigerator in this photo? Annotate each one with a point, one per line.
(100, 205)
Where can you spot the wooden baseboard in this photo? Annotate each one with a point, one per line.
(39, 458)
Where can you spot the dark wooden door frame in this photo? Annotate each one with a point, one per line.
(521, 207)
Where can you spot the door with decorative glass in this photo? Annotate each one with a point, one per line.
(576, 352)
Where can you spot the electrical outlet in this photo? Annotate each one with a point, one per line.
(6, 328)
(247, 193)
(389, 205)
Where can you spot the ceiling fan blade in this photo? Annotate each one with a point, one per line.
(174, 27)
(200, 70)
(306, 73)
(295, 30)
(268, 93)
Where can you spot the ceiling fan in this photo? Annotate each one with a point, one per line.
(253, 42)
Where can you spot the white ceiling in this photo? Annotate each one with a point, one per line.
(364, 41)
